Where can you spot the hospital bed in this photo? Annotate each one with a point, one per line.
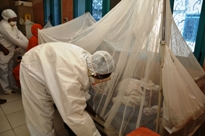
(149, 114)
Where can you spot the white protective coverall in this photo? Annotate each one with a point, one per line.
(10, 37)
(51, 73)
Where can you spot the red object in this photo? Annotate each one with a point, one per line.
(33, 41)
(142, 131)
(16, 75)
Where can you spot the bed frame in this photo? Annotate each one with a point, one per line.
(196, 127)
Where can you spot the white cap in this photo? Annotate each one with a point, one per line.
(101, 62)
(8, 13)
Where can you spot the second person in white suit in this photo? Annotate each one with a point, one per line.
(10, 38)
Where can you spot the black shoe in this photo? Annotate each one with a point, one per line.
(2, 101)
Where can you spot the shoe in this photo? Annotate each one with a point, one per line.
(16, 88)
(2, 101)
(8, 93)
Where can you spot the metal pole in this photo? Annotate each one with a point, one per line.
(163, 43)
(164, 21)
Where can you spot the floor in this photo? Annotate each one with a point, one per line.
(12, 118)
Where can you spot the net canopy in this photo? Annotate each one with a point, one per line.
(145, 64)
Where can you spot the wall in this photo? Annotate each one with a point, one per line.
(67, 10)
(38, 13)
(113, 3)
(4, 4)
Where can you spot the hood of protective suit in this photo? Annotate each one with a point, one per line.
(101, 62)
(34, 29)
(8, 13)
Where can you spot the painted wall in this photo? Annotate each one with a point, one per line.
(38, 15)
(4, 4)
(113, 3)
(67, 10)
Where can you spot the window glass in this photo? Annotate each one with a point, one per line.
(97, 9)
(186, 14)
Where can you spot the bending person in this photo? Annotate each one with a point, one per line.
(59, 73)
(33, 41)
(10, 37)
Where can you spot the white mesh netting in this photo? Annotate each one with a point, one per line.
(131, 32)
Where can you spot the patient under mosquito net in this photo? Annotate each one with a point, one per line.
(132, 32)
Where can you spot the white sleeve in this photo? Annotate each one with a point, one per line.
(69, 97)
(22, 37)
(19, 40)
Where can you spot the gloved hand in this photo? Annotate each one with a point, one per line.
(4, 50)
(18, 59)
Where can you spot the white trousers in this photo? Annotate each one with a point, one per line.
(38, 106)
(7, 80)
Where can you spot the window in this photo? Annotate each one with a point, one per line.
(97, 9)
(186, 14)
(190, 29)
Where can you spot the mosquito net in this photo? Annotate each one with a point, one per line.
(148, 67)
(65, 32)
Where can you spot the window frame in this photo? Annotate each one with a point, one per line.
(88, 7)
(199, 51)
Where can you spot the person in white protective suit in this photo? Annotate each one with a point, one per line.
(10, 38)
(60, 73)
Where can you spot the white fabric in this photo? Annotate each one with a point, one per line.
(191, 99)
(101, 62)
(55, 73)
(6, 79)
(150, 110)
(134, 91)
(70, 29)
(131, 32)
(10, 37)
(48, 24)
(8, 13)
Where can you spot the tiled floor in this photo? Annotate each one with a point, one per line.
(12, 118)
